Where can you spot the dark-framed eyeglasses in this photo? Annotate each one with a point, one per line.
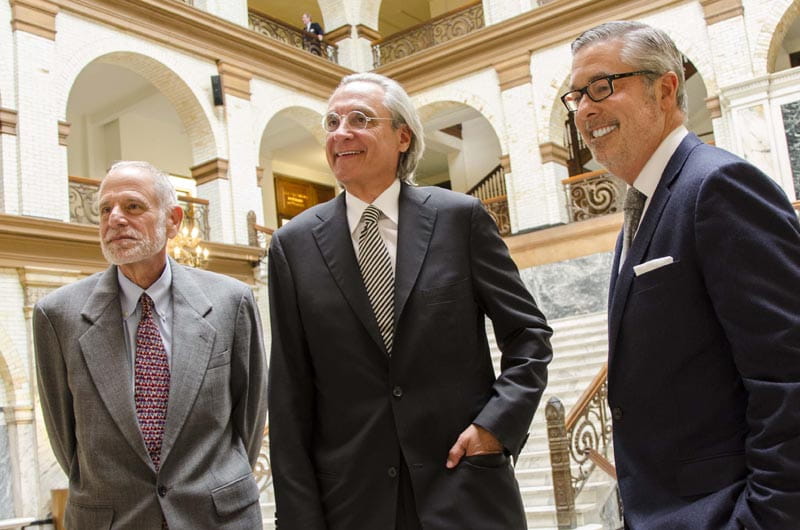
(597, 90)
(355, 119)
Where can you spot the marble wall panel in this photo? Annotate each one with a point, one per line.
(791, 124)
(6, 494)
(569, 288)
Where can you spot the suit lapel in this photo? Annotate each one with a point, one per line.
(336, 246)
(414, 231)
(107, 359)
(621, 287)
(192, 342)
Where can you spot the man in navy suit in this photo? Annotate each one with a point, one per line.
(704, 316)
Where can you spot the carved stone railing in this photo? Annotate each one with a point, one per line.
(578, 444)
(286, 33)
(593, 194)
(83, 201)
(263, 469)
(491, 190)
(83, 206)
(437, 30)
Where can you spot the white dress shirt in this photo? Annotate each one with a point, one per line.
(387, 202)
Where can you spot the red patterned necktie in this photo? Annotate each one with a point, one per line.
(151, 381)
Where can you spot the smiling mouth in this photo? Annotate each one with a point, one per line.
(348, 153)
(602, 131)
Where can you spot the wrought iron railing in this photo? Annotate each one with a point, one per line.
(437, 30)
(578, 444)
(593, 194)
(491, 190)
(83, 207)
(286, 33)
(263, 470)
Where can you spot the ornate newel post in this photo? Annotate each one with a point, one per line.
(559, 463)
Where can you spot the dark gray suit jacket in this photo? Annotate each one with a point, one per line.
(342, 410)
(215, 415)
(704, 369)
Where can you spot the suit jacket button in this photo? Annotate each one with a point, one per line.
(162, 491)
(392, 472)
(397, 392)
(616, 413)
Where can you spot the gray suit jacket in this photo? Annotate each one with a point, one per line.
(343, 411)
(215, 416)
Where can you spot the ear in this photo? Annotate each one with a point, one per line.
(669, 90)
(405, 137)
(174, 220)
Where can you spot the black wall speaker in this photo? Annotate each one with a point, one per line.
(216, 90)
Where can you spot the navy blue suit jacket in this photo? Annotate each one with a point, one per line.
(342, 410)
(704, 354)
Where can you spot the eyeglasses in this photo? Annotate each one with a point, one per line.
(597, 90)
(355, 119)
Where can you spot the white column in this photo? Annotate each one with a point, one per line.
(42, 162)
(535, 194)
(243, 185)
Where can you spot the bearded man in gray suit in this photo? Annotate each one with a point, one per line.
(152, 376)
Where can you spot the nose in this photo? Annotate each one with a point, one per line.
(117, 217)
(343, 130)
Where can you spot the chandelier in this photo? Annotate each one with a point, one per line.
(186, 248)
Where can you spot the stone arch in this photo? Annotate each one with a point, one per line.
(770, 37)
(168, 75)
(13, 371)
(455, 94)
(309, 114)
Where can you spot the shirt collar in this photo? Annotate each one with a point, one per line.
(159, 292)
(649, 177)
(387, 202)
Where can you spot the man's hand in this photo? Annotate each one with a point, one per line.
(475, 440)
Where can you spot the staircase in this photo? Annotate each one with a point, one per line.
(579, 345)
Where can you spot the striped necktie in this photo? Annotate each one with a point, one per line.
(151, 381)
(376, 270)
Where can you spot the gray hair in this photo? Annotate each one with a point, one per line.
(165, 191)
(643, 47)
(403, 112)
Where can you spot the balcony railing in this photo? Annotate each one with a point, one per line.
(491, 190)
(83, 206)
(279, 30)
(593, 194)
(437, 30)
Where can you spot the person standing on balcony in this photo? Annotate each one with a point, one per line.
(312, 35)
(704, 317)
(152, 376)
(385, 411)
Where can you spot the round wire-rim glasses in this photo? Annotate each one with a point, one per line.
(355, 119)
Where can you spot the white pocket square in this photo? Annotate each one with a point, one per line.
(653, 264)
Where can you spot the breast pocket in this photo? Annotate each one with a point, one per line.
(666, 276)
(219, 359)
(451, 292)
